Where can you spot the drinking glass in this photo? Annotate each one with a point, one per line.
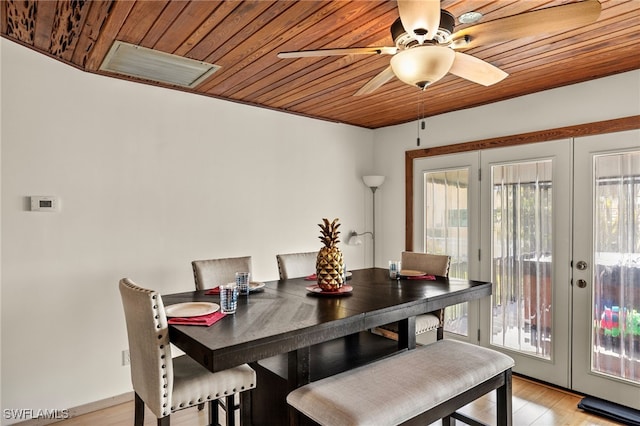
(228, 298)
(242, 281)
(394, 269)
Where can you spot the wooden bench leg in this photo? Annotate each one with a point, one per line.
(504, 404)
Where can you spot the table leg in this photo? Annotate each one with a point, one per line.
(299, 374)
(407, 333)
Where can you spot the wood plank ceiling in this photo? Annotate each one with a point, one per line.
(244, 37)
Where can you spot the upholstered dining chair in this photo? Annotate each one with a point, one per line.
(295, 265)
(213, 272)
(432, 264)
(166, 384)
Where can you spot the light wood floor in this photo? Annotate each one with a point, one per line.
(533, 404)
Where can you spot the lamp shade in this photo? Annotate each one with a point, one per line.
(354, 239)
(422, 65)
(373, 181)
(420, 18)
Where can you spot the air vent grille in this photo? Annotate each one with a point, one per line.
(141, 62)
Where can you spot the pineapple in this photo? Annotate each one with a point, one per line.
(330, 265)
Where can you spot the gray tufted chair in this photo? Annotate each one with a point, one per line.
(432, 264)
(167, 384)
(295, 265)
(214, 272)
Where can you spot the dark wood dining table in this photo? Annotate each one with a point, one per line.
(286, 320)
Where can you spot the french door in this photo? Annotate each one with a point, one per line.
(525, 234)
(606, 267)
(447, 189)
(555, 226)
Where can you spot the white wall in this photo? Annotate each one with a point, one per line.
(598, 100)
(149, 179)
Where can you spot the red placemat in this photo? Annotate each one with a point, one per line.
(205, 320)
(215, 290)
(422, 277)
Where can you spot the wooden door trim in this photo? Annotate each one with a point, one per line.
(596, 128)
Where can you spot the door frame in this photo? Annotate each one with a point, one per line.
(412, 157)
(587, 129)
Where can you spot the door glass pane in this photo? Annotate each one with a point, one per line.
(522, 257)
(616, 280)
(446, 231)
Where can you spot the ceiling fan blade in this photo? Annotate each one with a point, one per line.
(377, 81)
(380, 50)
(420, 18)
(476, 70)
(543, 21)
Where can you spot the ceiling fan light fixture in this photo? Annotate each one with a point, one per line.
(422, 66)
(420, 18)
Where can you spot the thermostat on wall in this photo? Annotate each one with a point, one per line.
(42, 203)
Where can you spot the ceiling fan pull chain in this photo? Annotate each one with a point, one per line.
(421, 124)
(418, 122)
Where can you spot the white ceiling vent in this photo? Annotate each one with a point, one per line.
(141, 62)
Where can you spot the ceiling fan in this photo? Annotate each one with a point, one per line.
(427, 48)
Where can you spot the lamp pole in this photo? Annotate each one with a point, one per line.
(373, 182)
(373, 234)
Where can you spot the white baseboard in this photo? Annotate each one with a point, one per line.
(82, 409)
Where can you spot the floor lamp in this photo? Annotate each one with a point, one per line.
(373, 182)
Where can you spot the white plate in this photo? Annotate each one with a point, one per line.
(345, 289)
(191, 309)
(255, 285)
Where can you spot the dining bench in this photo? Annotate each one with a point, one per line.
(424, 384)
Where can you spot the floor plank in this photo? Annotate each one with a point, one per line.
(534, 404)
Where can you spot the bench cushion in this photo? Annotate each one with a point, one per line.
(398, 388)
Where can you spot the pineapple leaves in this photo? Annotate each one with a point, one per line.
(329, 232)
